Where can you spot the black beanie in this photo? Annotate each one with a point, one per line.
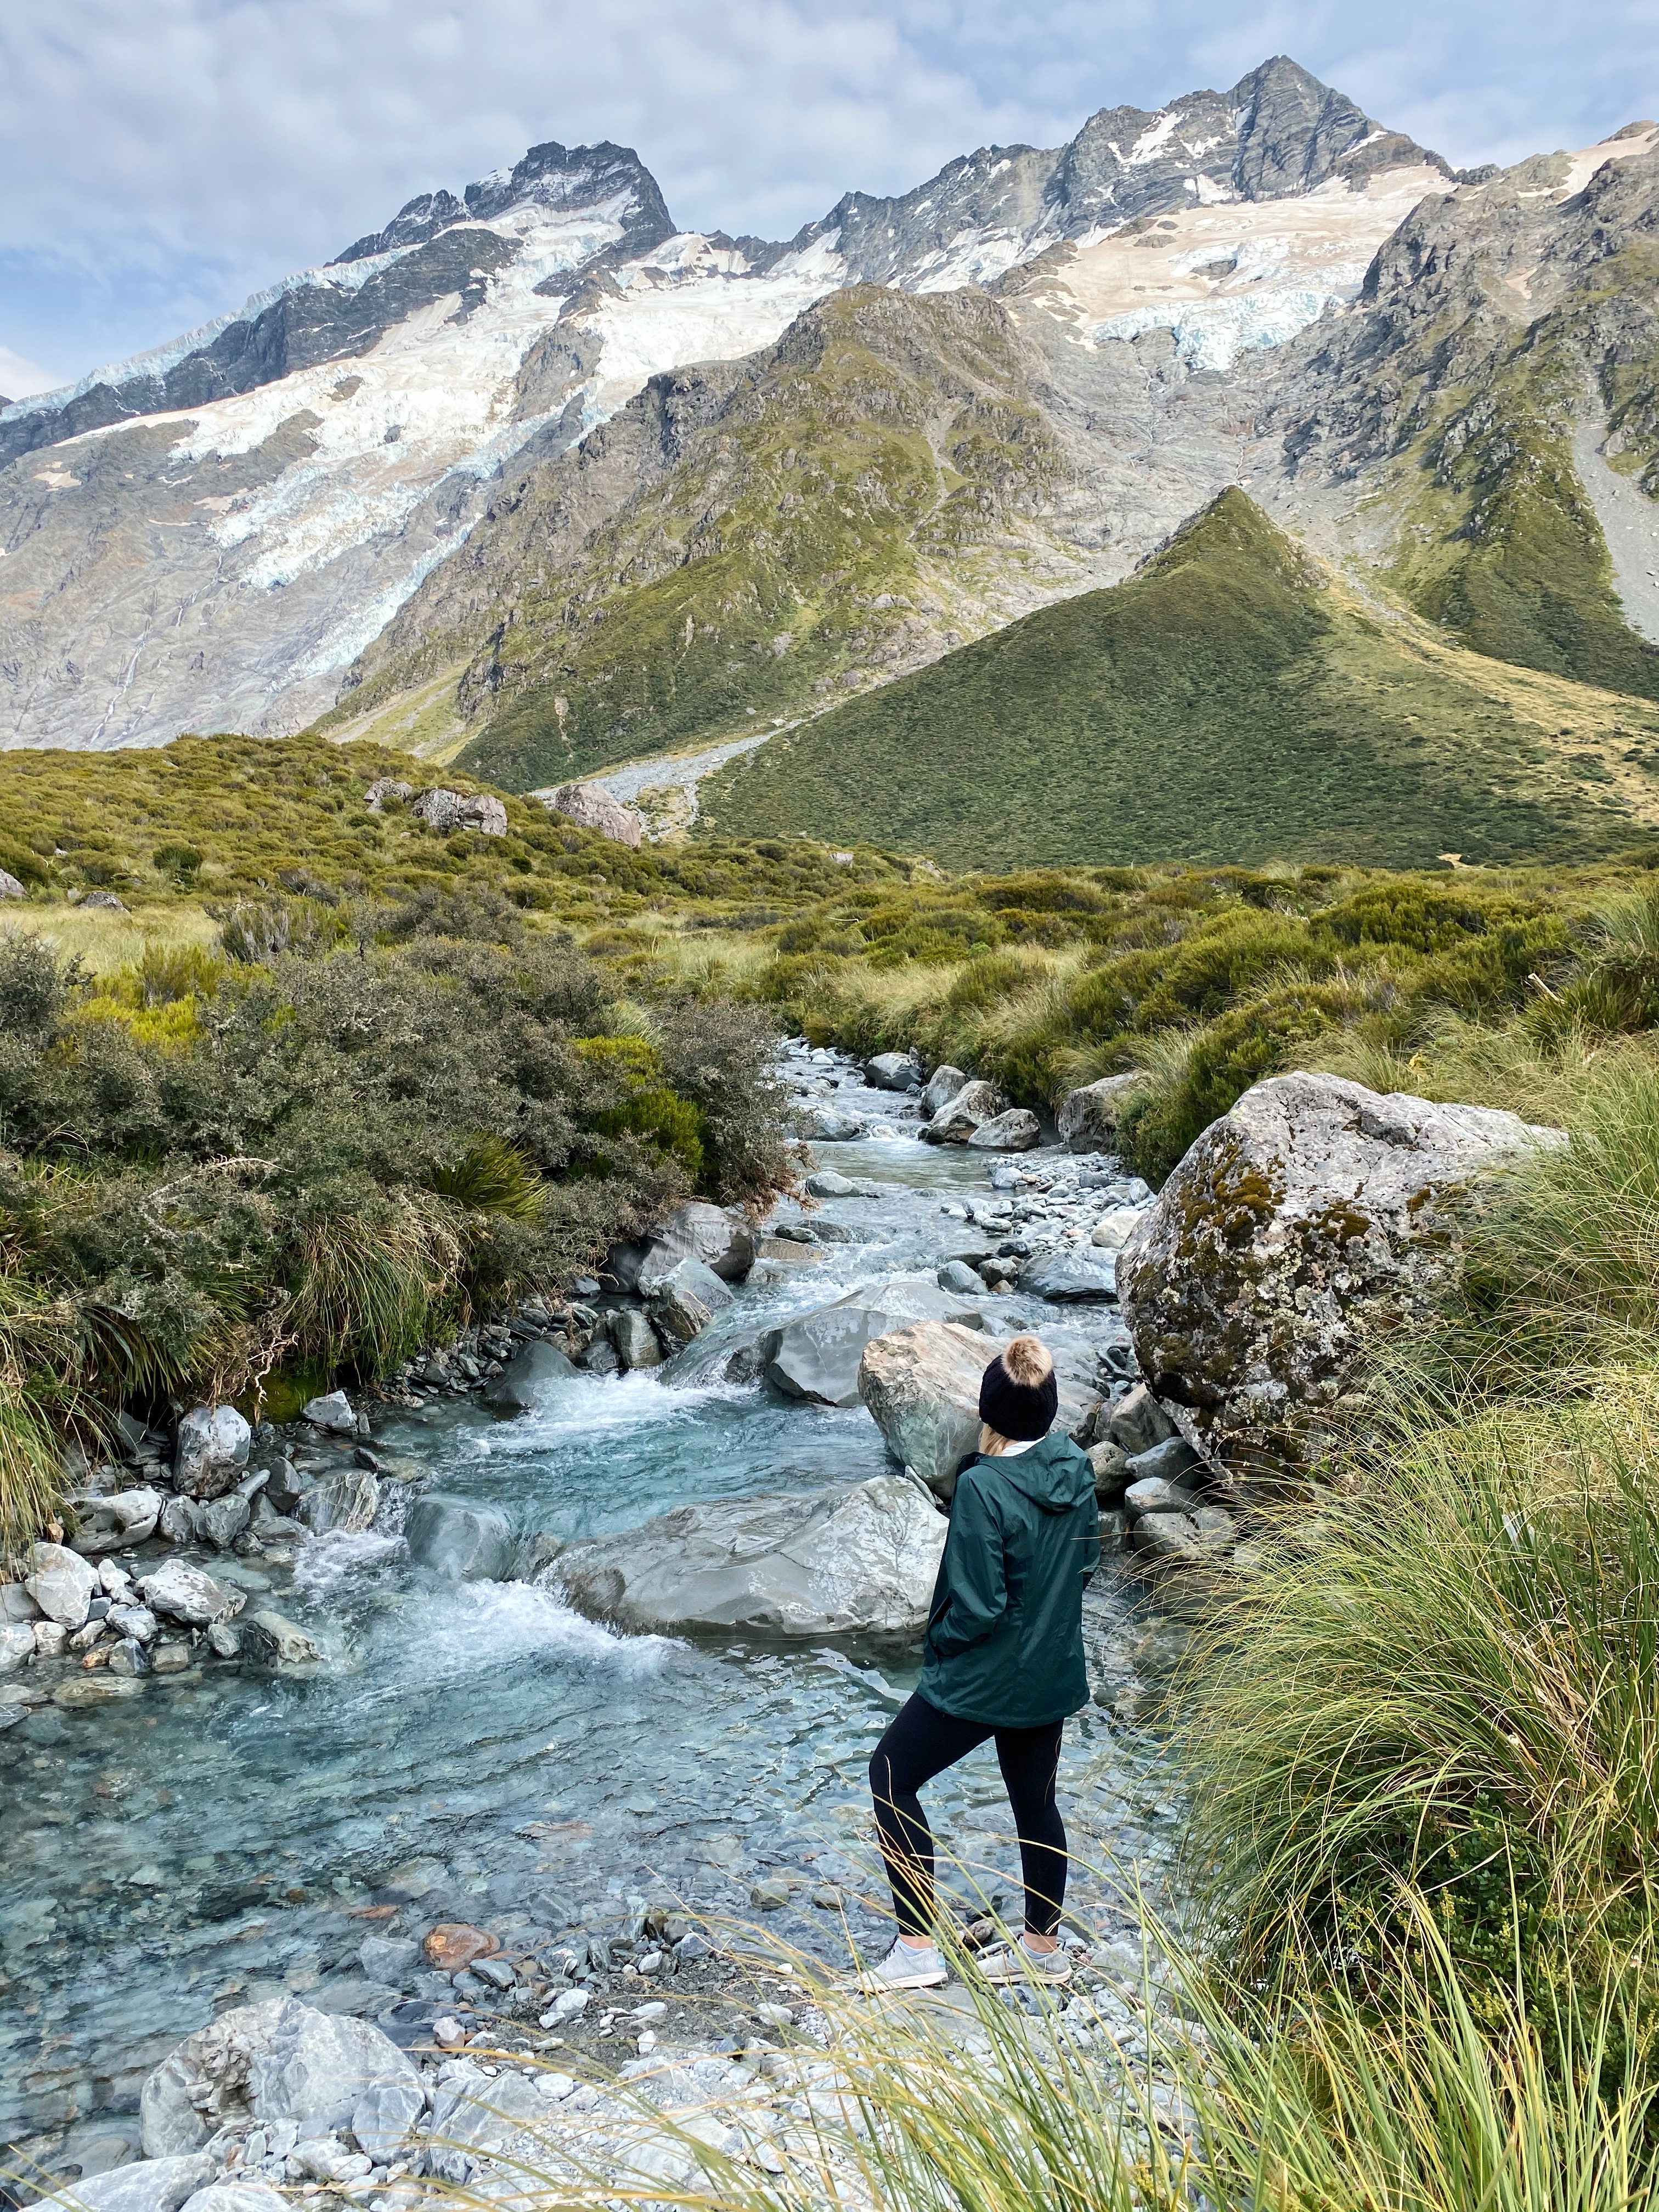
(1022, 1412)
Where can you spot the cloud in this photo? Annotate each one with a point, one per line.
(20, 376)
(161, 159)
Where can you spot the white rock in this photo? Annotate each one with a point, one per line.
(180, 1592)
(16, 1644)
(61, 1583)
(278, 2061)
(1111, 1233)
(565, 2006)
(150, 2184)
(212, 1451)
(332, 1412)
(592, 806)
(237, 2197)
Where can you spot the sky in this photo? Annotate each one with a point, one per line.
(160, 160)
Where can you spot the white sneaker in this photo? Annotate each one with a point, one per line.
(1014, 1962)
(903, 1968)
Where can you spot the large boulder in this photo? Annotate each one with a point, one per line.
(212, 1451)
(696, 1230)
(941, 1087)
(826, 1123)
(893, 1071)
(815, 1355)
(1019, 1130)
(61, 1583)
(850, 1561)
(922, 1386)
(1088, 1117)
(281, 2060)
(462, 1538)
(116, 1523)
(9, 886)
(448, 811)
(685, 1300)
(592, 806)
(1313, 1216)
(956, 1121)
(333, 1413)
(528, 1379)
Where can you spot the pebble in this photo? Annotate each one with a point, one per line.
(453, 1944)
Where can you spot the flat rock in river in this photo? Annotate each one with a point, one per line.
(815, 1355)
(836, 1564)
(1311, 1217)
(1080, 1276)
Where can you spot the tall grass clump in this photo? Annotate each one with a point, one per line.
(1446, 1678)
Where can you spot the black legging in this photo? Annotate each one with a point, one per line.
(922, 1742)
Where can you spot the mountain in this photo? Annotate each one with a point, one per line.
(529, 478)
(211, 534)
(1231, 702)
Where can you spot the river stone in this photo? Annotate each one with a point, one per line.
(940, 1088)
(827, 1182)
(827, 1124)
(1070, 1276)
(332, 1412)
(224, 1520)
(686, 1299)
(841, 1563)
(388, 1958)
(462, 1538)
(956, 1121)
(178, 1591)
(502, 2119)
(277, 1641)
(956, 1275)
(893, 1071)
(1111, 1463)
(237, 2197)
(116, 1523)
(635, 1339)
(384, 2118)
(16, 1604)
(453, 1944)
(815, 1355)
(1165, 1462)
(528, 1379)
(149, 2184)
(16, 1644)
(1112, 1232)
(281, 2060)
(347, 1499)
(696, 1230)
(61, 1583)
(211, 1451)
(1313, 1217)
(922, 1386)
(136, 1621)
(1017, 1131)
(1139, 1422)
(1088, 1117)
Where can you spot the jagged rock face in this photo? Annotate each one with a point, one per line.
(381, 486)
(1313, 1217)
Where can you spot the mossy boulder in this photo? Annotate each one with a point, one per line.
(1311, 1217)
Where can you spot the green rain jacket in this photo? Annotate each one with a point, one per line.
(1005, 1631)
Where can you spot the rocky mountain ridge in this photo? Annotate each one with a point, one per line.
(529, 473)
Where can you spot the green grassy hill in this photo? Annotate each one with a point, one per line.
(1229, 703)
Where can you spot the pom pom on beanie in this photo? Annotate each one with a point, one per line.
(1018, 1396)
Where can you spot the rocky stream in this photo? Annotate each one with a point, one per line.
(409, 1730)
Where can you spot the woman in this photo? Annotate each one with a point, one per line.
(1003, 1657)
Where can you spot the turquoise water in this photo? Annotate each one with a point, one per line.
(207, 1841)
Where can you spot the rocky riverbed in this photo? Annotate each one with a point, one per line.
(384, 1716)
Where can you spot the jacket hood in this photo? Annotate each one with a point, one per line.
(1053, 1474)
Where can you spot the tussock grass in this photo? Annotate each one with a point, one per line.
(105, 942)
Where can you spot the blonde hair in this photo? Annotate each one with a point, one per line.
(1029, 1362)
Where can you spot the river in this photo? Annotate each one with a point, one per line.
(480, 1752)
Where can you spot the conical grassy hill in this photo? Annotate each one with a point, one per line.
(1229, 702)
